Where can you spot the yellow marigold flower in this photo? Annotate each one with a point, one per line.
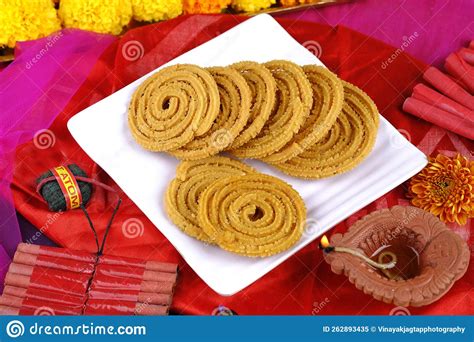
(96, 15)
(205, 6)
(445, 188)
(251, 5)
(155, 10)
(22, 20)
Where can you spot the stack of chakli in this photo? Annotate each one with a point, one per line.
(224, 202)
(45, 280)
(304, 121)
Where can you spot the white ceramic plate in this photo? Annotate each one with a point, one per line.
(101, 130)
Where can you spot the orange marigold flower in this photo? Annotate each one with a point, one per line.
(287, 3)
(205, 6)
(445, 188)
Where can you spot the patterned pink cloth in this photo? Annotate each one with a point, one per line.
(34, 89)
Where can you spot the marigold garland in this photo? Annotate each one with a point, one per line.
(205, 6)
(155, 10)
(22, 20)
(251, 5)
(31, 19)
(445, 188)
(96, 15)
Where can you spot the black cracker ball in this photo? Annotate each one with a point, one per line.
(53, 195)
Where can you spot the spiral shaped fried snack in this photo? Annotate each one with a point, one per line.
(254, 215)
(293, 103)
(235, 99)
(262, 87)
(348, 142)
(328, 96)
(173, 106)
(192, 178)
(359, 97)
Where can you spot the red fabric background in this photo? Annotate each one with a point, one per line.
(303, 284)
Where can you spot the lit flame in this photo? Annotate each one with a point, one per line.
(324, 242)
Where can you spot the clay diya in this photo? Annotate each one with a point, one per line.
(402, 255)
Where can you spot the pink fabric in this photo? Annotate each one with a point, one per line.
(33, 90)
(442, 26)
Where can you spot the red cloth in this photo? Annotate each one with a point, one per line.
(304, 283)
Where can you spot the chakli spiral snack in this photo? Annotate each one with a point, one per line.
(291, 117)
(192, 178)
(159, 112)
(359, 97)
(348, 142)
(328, 96)
(263, 87)
(235, 100)
(255, 215)
(294, 101)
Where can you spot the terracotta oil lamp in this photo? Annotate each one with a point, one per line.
(402, 255)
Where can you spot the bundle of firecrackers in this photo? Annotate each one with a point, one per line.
(447, 98)
(45, 280)
(32, 19)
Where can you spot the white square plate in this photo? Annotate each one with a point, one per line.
(102, 131)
